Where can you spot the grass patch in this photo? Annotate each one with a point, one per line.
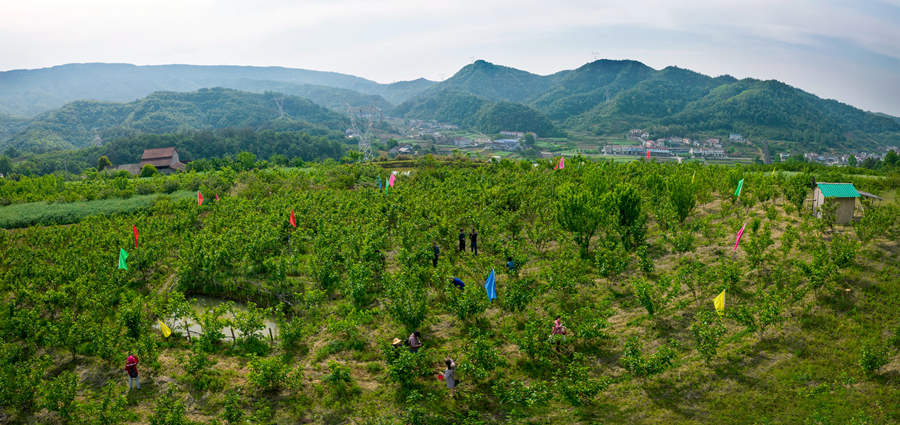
(45, 214)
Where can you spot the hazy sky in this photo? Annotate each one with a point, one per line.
(844, 50)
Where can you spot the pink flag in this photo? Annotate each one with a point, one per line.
(199, 199)
(555, 166)
(562, 162)
(740, 233)
(391, 180)
(217, 197)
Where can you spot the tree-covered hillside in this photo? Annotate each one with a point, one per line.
(496, 82)
(479, 113)
(33, 91)
(71, 126)
(330, 97)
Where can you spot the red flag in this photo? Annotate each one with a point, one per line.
(293, 222)
(740, 233)
(135, 235)
(648, 154)
(217, 197)
(562, 162)
(199, 198)
(556, 166)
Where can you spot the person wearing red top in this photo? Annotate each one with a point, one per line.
(559, 332)
(131, 368)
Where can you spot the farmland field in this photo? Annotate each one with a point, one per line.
(629, 254)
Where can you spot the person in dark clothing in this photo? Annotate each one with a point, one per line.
(459, 284)
(474, 238)
(510, 264)
(462, 240)
(437, 253)
(414, 342)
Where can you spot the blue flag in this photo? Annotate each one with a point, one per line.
(379, 182)
(489, 286)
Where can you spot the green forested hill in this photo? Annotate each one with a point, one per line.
(496, 82)
(479, 113)
(28, 92)
(611, 97)
(71, 126)
(330, 97)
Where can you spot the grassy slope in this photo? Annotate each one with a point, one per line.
(24, 215)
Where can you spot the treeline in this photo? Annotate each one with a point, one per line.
(191, 145)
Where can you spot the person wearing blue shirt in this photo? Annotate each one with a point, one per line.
(510, 265)
(459, 284)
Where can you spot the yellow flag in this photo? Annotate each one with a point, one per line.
(695, 175)
(773, 171)
(165, 329)
(719, 302)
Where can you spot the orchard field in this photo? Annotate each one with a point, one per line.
(630, 255)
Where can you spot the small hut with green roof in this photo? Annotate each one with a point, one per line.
(844, 194)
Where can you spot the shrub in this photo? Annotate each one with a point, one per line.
(340, 382)
(517, 294)
(232, 413)
(268, 374)
(148, 170)
(708, 331)
(169, 410)
(644, 366)
(872, 356)
(844, 250)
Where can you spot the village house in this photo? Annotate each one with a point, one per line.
(165, 160)
(516, 134)
(735, 138)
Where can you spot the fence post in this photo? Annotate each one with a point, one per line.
(271, 338)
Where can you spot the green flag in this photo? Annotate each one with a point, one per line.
(122, 256)
(738, 191)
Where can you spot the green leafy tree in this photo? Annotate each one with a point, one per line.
(102, 163)
(232, 414)
(169, 410)
(682, 196)
(795, 190)
(708, 331)
(6, 166)
(852, 161)
(642, 365)
(148, 170)
(632, 220)
(872, 356)
(583, 209)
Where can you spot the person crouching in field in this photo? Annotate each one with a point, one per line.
(131, 368)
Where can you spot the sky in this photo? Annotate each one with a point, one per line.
(843, 50)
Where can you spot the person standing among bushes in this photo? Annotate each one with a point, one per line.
(450, 376)
(131, 368)
(462, 240)
(474, 238)
(510, 265)
(414, 341)
(437, 253)
(559, 332)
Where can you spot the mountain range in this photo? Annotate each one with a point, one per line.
(604, 97)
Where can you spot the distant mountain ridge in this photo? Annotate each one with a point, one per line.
(612, 96)
(72, 126)
(31, 92)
